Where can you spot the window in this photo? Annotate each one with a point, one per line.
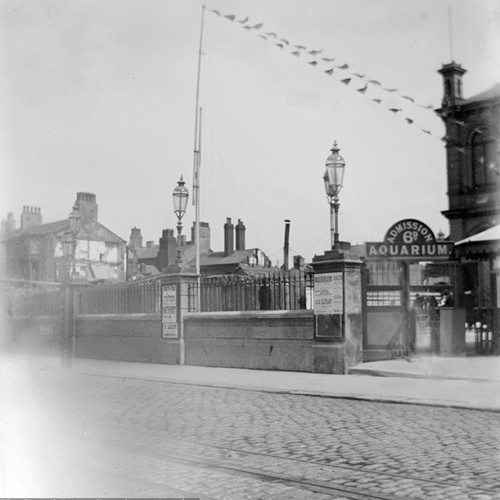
(483, 161)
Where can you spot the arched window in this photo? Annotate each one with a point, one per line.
(483, 159)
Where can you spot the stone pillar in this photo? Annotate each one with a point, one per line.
(178, 298)
(338, 325)
(451, 331)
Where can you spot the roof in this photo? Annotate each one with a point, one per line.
(492, 93)
(93, 232)
(481, 245)
(236, 257)
(41, 230)
(147, 252)
(489, 235)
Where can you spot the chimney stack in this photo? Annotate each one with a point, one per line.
(135, 238)
(87, 204)
(228, 237)
(240, 235)
(168, 250)
(31, 217)
(286, 248)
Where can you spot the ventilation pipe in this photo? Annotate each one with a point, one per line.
(286, 248)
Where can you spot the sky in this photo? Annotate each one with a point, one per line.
(99, 96)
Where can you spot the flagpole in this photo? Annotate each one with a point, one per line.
(197, 161)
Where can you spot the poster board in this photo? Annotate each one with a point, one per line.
(329, 293)
(169, 323)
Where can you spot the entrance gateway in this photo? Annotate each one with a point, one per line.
(405, 276)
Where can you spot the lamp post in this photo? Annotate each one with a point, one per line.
(180, 197)
(67, 324)
(74, 227)
(69, 250)
(333, 179)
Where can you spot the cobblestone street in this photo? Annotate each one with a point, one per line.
(71, 434)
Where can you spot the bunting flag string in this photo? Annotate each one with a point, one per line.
(362, 83)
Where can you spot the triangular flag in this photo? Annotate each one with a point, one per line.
(391, 90)
(346, 81)
(408, 98)
(286, 42)
(315, 52)
(231, 17)
(280, 45)
(301, 47)
(243, 21)
(378, 101)
(258, 26)
(215, 12)
(409, 120)
(426, 131)
(296, 53)
(375, 82)
(359, 75)
(271, 34)
(328, 59)
(329, 71)
(313, 63)
(344, 66)
(363, 90)
(394, 110)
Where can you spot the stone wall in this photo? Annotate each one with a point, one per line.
(266, 340)
(124, 337)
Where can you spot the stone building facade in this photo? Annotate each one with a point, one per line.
(473, 180)
(472, 145)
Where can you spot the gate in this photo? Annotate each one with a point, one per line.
(406, 277)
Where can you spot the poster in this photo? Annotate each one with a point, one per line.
(328, 293)
(352, 292)
(169, 311)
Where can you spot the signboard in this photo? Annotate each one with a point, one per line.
(328, 293)
(169, 311)
(409, 239)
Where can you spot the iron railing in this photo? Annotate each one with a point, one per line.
(131, 297)
(283, 291)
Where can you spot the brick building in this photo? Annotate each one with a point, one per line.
(473, 177)
(34, 251)
(152, 259)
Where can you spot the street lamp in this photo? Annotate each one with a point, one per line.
(334, 178)
(180, 197)
(68, 243)
(74, 227)
(67, 330)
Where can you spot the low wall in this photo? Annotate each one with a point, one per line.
(33, 334)
(124, 337)
(266, 340)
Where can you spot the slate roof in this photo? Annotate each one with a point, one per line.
(147, 252)
(492, 93)
(237, 257)
(93, 232)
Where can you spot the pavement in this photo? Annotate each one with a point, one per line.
(471, 382)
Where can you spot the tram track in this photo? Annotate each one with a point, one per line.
(231, 463)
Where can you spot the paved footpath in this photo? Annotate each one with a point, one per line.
(107, 432)
(466, 382)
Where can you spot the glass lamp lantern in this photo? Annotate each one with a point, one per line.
(67, 245)
(75, 220)
(180, 197)
(334, 173)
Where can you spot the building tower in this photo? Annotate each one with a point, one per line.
(472, 145)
